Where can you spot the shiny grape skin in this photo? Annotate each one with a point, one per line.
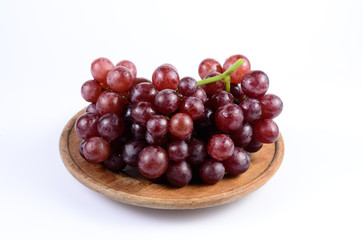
(238, 163)
(255, 84)
(86, 125)
(130, 65)
(220, 147)
(207, 66)
(100, 69)
(253, 146)
(153, 162)
(206, 120)
(178, 151)
(200, 94)
(110, 126)
(131, 152)
(81, 148)
(96, 150)
(193, 107)
(92, 109)
(156, 141)
(187, 86)
(239, 73)
(220, 99)
(138, 131)
(127, 113)
(110, 102)
(252, 109)
(271, 106)
(157, 126)
(179, 174)
(142, 112)
(114, 163)
(266, 131)
(143, 92)
(212, 88)
(120, 79)
(229, 118)
(181, 125)
(167, 101)
(243, 135)
(197, 152)
(91, 90)
(212, 171)
(235, 90)
(165, 77)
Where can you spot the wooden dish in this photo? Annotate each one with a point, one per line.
(139, 191)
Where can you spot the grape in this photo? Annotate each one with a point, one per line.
(193, 107)
(170, 65)
(229, 118)
(117, 145)
(178, 151)
(235, 90)
(138, 132)
(110, 126)
(206, 120)
(100, 68)
(165, 77)
(197, 151)
(253, 146)
(238, 163)
(179, 174)
(96, 150)
(86, 125)
(167, 101)
(220, 147)
(143, 92)
(92, 109)
(187, 138)
(110, 102)
(212, 171)
(266, 131)
(207, 66)
(120, 79)
(140, 80)
(212, 88)
(131, 152)
(130, 65)
(200, 94)
(187, 86)
(255, 84)
(81, 148)
(153, 162)
(127, 113)
(271, 106)
(221, 98)
(238, 74)
(181, 125)
(243, 135)
(156, 141)
(114, 162)
(252, 109)
(157, 126)
(142, 112)
(91, 90)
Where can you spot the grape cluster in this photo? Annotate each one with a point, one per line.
(177, 129)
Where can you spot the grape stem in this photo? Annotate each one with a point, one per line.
(225, 76)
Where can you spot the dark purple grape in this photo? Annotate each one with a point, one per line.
(271, 106)
(206, 120)
(156, 141)
(187, 86)
(243, 135)
(143, 92)
(252, 109)
(157, 126)
(165, 77)
(96, 150)
(153, 162)
(193, 107)
(110, 126)
(86, 125)
(238, 163)
(197, 152)
(92, 109)
(220, 147)
(179, 174)
(131, 151)
(212, 171)
(114, 162)
(178, 151)
(173, 138)
(117, 145)
(255, 84)
(200, 94)
(220, 99)
(127, 113)
(229, 118)
(142, 112)
(207, 66)
(181, 125)
(253, 146)
(266, 131)
(81, 148)
(138, 131)
(235, 90)
(91, 90)
(167, 101)
(110, 102)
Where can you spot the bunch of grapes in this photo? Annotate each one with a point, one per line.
(177, 129)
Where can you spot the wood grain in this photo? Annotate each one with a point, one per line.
(139, 191)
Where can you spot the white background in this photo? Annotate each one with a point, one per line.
(311, 51)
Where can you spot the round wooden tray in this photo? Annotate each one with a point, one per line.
(139, 191)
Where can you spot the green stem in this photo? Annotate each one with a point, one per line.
(235, 66)
(211, 80)
(227, 83)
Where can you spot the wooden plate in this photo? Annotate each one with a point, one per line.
(139, 191)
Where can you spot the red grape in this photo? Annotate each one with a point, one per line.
(229, 118)
(235, 90)
(153, 162)
(81, 148)
(96, 150)
(130, 65)
(200, 94)
(167, 101)
(252, 109)
(271, 106)
(253, 146)
(131, 152)
(238, 163)
(181, 125)
(179, 174)
(193, 107)
(255, 84)
(207, 66)
(212, 171)
(165, 77)
(110, 102)
(110, 126)
(197, 152)
(114, 162)
(187, 86)
(120, 79)
(138, 131)
(220, 99)
(143, 92)
(238, 74)
(156, 141)
(100, 68)
(86, 125)
(266, 131)
(142, 112)
(157, 125)
(243, 135)
(220, 147)
(91, 90)
(178, 151)
(92, 109)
